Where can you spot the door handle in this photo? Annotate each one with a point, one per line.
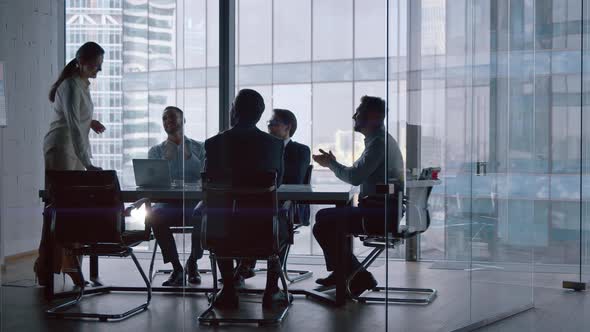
(481, 168)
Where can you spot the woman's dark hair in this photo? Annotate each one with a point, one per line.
(87, 52)
(288, 118)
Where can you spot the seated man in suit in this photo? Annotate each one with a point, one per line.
(186, 158)
(367, 171)
(245, 149)
(283, 125)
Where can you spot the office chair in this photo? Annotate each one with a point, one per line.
(88, 218)
(417, 221)
(240, 221)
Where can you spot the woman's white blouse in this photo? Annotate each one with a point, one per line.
(69, 129)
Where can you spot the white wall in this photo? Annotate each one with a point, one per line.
(31, 45)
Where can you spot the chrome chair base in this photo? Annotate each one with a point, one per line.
(60, 311)
(209, 316)
(429, 293)
(299, 274)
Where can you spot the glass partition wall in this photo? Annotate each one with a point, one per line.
(497, 89)
(159, 53)
(430, 115)
(489, 91)
(584, 268)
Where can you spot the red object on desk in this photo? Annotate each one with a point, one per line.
(435, 175)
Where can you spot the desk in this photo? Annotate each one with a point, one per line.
(312, 194)
(337, 194)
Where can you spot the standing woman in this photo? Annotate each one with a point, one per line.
(66, 146)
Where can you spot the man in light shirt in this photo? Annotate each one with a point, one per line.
(367, 171)
(186, 160)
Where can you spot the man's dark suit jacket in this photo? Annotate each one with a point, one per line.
(297, 159)
(244, 150)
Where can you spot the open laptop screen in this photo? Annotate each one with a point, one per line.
(151, 172)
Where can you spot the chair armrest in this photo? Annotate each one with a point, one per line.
(288, 204)
(289, 208)
(136, 205)
(385, 188)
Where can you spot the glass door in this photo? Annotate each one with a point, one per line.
(429, 114)
(585, 149)
(505, 172)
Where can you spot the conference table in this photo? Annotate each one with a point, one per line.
(338, 195)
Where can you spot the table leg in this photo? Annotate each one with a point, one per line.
(94, 271)
(48, 261)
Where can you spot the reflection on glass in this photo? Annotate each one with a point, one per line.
(495, 90)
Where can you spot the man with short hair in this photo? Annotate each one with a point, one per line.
(186, 160)
(243, 150)
(367, 171)
(283, 125)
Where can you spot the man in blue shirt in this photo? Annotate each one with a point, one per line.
(367, 171)
(186, 159)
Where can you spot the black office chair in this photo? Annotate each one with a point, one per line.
(88, 218)
(397, 205)
(240, 221)
(293, 212)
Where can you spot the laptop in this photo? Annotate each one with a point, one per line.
(152, 173)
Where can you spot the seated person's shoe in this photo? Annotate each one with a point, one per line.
(327, 281)
(246, 272)
(226, 299)
(239, 281)
(192, 271)
(277, 298)
(246, 268)
(362, 282)
(176, 278)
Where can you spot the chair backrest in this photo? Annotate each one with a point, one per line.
(416, 210)
(414, 206)
(240, 218)
(86, 206)
(307, 177)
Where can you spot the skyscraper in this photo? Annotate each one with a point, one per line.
(100, 21)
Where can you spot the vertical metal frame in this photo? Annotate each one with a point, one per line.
(414, 95)
(227, 29)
